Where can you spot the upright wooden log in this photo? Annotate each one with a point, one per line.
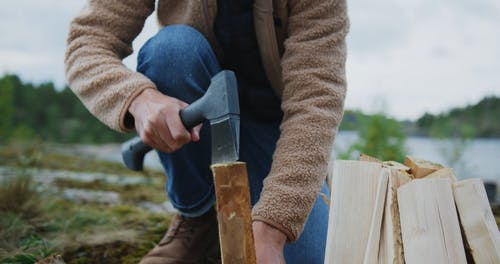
(391, 243)
(358, 195)
(429, 223)
(477, 220)
(233, 213)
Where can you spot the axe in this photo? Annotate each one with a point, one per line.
(220, 106)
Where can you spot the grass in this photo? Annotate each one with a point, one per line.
(38, 155)
(63, 228)
(130, 193)
(18, 196)
(19, 212)
(35, 225)
(38, 224)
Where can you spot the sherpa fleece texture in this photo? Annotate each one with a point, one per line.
(312, 38)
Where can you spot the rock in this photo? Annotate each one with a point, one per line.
(90, 196)
(165, 207)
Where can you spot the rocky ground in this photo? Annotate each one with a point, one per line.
(64, 204)
(75, 208)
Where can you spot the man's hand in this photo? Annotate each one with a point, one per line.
(158, 123)
(269, 243)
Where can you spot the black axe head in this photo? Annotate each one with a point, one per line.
(220, 106)
(223, 112)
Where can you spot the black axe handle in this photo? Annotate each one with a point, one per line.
(134, 150)
(220, 99)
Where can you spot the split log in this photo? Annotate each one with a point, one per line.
(429, 222)
(477, 220)
(358, 194)
(396, 166)
(421, 168)
(364, 157)
(391, 244)
(233, 213)
(444, 173)
(373, 243)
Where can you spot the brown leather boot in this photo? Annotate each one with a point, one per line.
(187, 241)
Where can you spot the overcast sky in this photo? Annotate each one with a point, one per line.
(405, 57)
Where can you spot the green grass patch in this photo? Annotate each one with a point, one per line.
(62, 227)
(39, 155)
(74, 231)
(130, 193)
(17, 195)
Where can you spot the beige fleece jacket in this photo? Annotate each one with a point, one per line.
(304, 59)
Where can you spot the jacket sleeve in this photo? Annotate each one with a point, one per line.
(99, 38)
(313, 66)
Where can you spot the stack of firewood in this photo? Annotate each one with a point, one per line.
(416, 212)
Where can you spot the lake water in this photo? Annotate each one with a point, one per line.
(480, 159)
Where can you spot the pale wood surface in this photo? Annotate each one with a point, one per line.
(396, 165)
(353, 205)
(477, 220)
(373, 243)
(429, 222)
(444, 173)
(364, 157)
(391, 244)
(420, 168)
(233, 213)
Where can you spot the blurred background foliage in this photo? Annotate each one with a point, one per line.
(41, 111)
(378, 136)
(35, 115)
(56, 115)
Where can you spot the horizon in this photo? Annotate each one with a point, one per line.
(406, 59)
(377, 111)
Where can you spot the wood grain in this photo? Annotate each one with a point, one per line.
(355, 211)
(444, 173)
(420, 168)
(234, 213)
(429, 222)
(391, 243)
(477, 221)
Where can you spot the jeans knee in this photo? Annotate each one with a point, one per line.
(175, 46)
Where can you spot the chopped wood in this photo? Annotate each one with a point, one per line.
(421, 168)
(444, 173)
(396, 165)
(477, 220)
(373, 244)
(391, 244)
(358, 194)
(364, 157)
(233, 213)
(429, 222)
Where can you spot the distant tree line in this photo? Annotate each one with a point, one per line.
(29, 111)
(479, 120)
(41, 111)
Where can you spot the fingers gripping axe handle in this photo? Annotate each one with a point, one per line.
(134, 150)
(209, 106)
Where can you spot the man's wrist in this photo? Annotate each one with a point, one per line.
(140, 98)
(269, 234)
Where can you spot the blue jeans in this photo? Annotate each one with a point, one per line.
(180, 61)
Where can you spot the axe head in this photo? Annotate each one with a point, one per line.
(223, 113)
(219, 105)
